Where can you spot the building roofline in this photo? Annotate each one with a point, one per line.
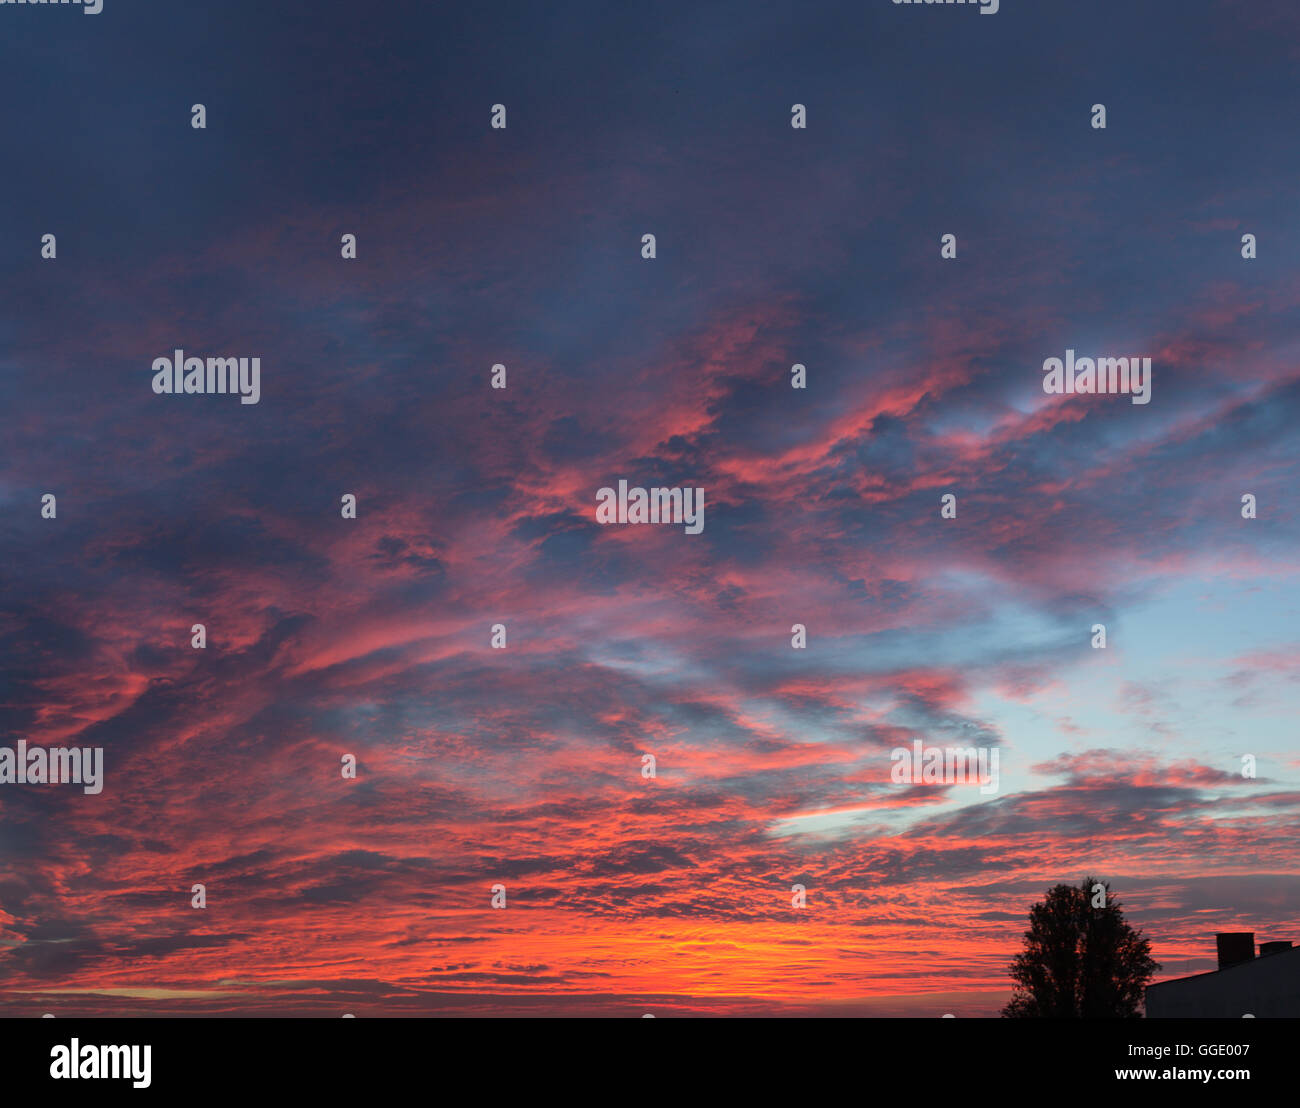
(1228, 969)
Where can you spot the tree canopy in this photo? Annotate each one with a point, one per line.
(1081, 958)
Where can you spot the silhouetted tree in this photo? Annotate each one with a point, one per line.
(1081, 958)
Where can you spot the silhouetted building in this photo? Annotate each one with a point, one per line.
(1267, 986)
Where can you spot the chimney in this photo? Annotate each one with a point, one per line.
(1235, 947)
(1274, 948)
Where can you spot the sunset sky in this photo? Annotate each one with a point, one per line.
(476, 506)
